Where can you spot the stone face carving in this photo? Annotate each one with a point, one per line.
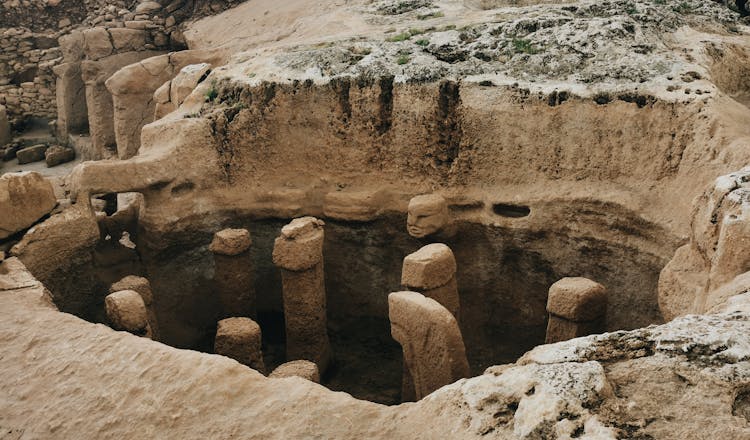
(428, 215)
(240, 339)
(577, 307)
(301, 368)
(431, 271)
(143, 287)
(433, 347)
(299, 254)
(126, 311)
(233, 272)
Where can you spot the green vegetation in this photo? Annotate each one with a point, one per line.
(683, 8)
(422, 42)
(399, 37)
(524, 46)
(212, 93)
(403, 59)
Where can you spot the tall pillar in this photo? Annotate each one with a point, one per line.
(127, 312)
(233, 272)
(577, 307)
(431, 271)
(240, 339)
(143, 287)
(431, 341)
(299, 254)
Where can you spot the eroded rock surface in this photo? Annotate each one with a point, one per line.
(24, 199)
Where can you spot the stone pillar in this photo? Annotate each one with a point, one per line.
(577, 307)
(72, 113)
(233, 272)
(126, 311)
(240, 339)
(299, 254)
(143, 287)
(301, 368)
(431, 271)
(433, 347)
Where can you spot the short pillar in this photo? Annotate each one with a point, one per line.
(431, 271)
(126, 311)
(577, 307)
(299, 254)
(143, 287)
(431, 341)
(240, 339)
(233, 272)
(300, 368)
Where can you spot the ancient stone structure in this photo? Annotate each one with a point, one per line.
(298, 252)
(431, 271)
(240, 339)
(428, 215)
(434, 353)
(126, 311)
(233, 272)
(301, 368)
(5, 133)
(24, 199)
(577, 307)
(143, 287)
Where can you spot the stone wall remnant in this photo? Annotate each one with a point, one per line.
(298, 252)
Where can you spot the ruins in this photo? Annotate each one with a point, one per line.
(375, 219)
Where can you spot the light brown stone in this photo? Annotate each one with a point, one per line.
(431, 266)
(433, 347)
(577, 299)
(240, 339)
(231, 242)
(300, 368)
(300, 246)
(428, 215)
(126, 311)
(24, 199)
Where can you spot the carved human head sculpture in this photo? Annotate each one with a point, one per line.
(428, 214)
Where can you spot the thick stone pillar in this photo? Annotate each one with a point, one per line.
(433, 347)
(233, 272)
(301, 368)
(143, 287)
(431, 271)
(72, 113)
(577, 307)
(126, 311)
(299, 254)
(5, 133)
(240, 339)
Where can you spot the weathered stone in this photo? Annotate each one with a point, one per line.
(431, 266)
(125, 40)
(577, 299)
(57, 155)
(24, 199)
(299, 254)
(31, 154)
(147, 8)
(353, 205)
(231, 242)
(187, 80)
(72, 113)
(300, 368)
(72, 46)
(143, 287)
(300, 245)
(97, 43)
(240, 339)
(126, 311)
(5, 133)
(233, 272)
(434, 353)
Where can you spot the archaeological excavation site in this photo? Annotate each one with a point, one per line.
(375, 219)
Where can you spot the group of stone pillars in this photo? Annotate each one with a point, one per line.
(298, 252)
(424, 319)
